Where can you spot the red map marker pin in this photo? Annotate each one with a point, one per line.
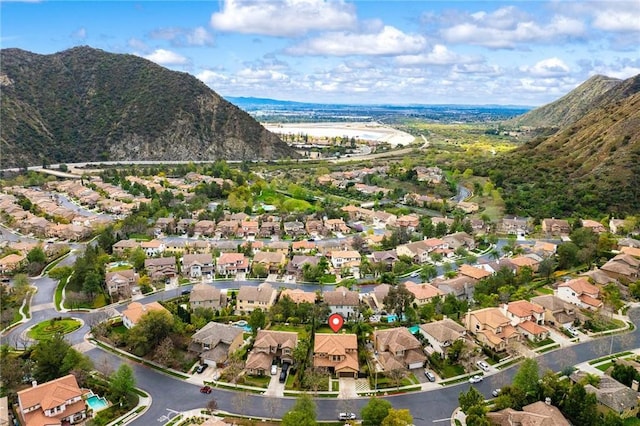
(335, 322)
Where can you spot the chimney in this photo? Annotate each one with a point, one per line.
(34, 383)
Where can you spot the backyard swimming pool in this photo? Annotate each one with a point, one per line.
(97, 403)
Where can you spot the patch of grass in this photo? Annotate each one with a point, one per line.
(140, 237)
(58, 294)
(612, 356)
(257, 381)
(605, 366)
(509, 364)
(541, 343)
(544, 290)
(548, 349)
(47, 329)
(302, 333)
(631, 421)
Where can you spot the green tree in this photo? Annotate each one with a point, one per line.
(477, 416)
(37, 255)
(527, 378)
(257, 320)
(121, 384)
(375, 411)
(468, 399)
(398, 300)
(581, 407)
(303, 413)
(151, 329)
(55, 358)
(400, 417)
(567, 255)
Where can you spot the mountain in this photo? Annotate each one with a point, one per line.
(591, 166)
(84, 104)
(572, 106)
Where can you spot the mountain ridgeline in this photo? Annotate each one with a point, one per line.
(589, 166)
(84, 104)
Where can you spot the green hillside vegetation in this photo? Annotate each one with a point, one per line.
(85, 104)
(591, 167)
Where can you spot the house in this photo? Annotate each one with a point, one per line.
(120, 282)
(580, 292)
(197, 265)
(523, 310)
(249, 228)
(515, 225)
(419, 251)
(383, 219)
(336, 225)
(338, 353)
(397, 347)
(441, 334)
(631, 251)
(272, 261)
(267, 229)
(461, 286)
(135, 311)
(525, 261)
(175, 246)
(161, 268)
(556, 311)
(460, 239)
(165, 225)
(228, 228)
(344, 258)
(544, 248)
(152, 248)
(12, 262)
(271, 347)
(295, 266)
(205, 227)
(492, 328)
(388, 257)
(473, 272)
(423, 293)
(303, 246)
(123, 246)
(611, 394)
(278, 247)
(468, 207)
(250, 298)
(410, 222)
(298, 296)
(215, 342)
(623, 267)
(595, 226)
(532, 331)
(377, 296)
(206, 296)
(557, 227)
(185, 225)
(57, 402)
(537, 414)
(314, 227)
(232, 264)
(343, 301)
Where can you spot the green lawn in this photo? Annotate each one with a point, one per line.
(257, 381)
(541, 343)
(47, 329)
(59, 289)
(451, 370)
(632, 421)
(302, 333)
(605, 366)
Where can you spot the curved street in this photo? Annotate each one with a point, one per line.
(170, 394)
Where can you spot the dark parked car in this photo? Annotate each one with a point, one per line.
(285, 366)
(205, 389)
(201, 368)
(283, 376)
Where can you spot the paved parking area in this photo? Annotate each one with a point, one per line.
(275, 387)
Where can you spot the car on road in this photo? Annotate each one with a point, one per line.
(274, 369)
(475, 379)
(429, 375)
(201, 368)
(347, 416)
(205, 389)
(496, 392)
(483, 365)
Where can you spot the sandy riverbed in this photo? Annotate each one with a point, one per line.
(364, 131)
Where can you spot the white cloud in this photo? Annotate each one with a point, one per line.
(80, 33)
(551, 67)
(627, 20)
(166, 57)
(261, 75)
(211, 77)
(387, 41)
(198, 36)
(439, 55)
(507, 28)
(283, 18)
(138, 45)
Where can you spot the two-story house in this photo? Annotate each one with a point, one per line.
(298, 295)
(205, 227)
(580, 292)
(152, 248)
(492, 328)
(271, 347)
(527, 317)
(338, 353)
(135, 310)
(121, 282)
(556, 227)
(344, 259)
(250, 298)
(343, 301)
(232, 264)
(294, 229)
(420, 251)
(556, 311)
(215, 342)
(441, 334)
(54, 403)
(206, 296)
(271, 260)
(623, 267)
(123, 246)
(423, 293)
(161, 268)
(397, 347)
(197, 265)
(295, 267)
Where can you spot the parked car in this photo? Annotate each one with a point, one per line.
(201, 368)
(205, 389)
(483, 365)
(274, 369)
(496, 392)
(572, 331)
(283, 376)
(285, 366)
(346, 416)
(429, 375)
(475, 379)
(184, 292)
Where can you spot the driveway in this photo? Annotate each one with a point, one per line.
(275, 387)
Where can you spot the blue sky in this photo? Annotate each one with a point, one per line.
(401, 52)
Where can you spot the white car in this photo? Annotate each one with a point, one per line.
(274, 369)
(496, 392)
(483, 365)
(475, 379)
(346, 416)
